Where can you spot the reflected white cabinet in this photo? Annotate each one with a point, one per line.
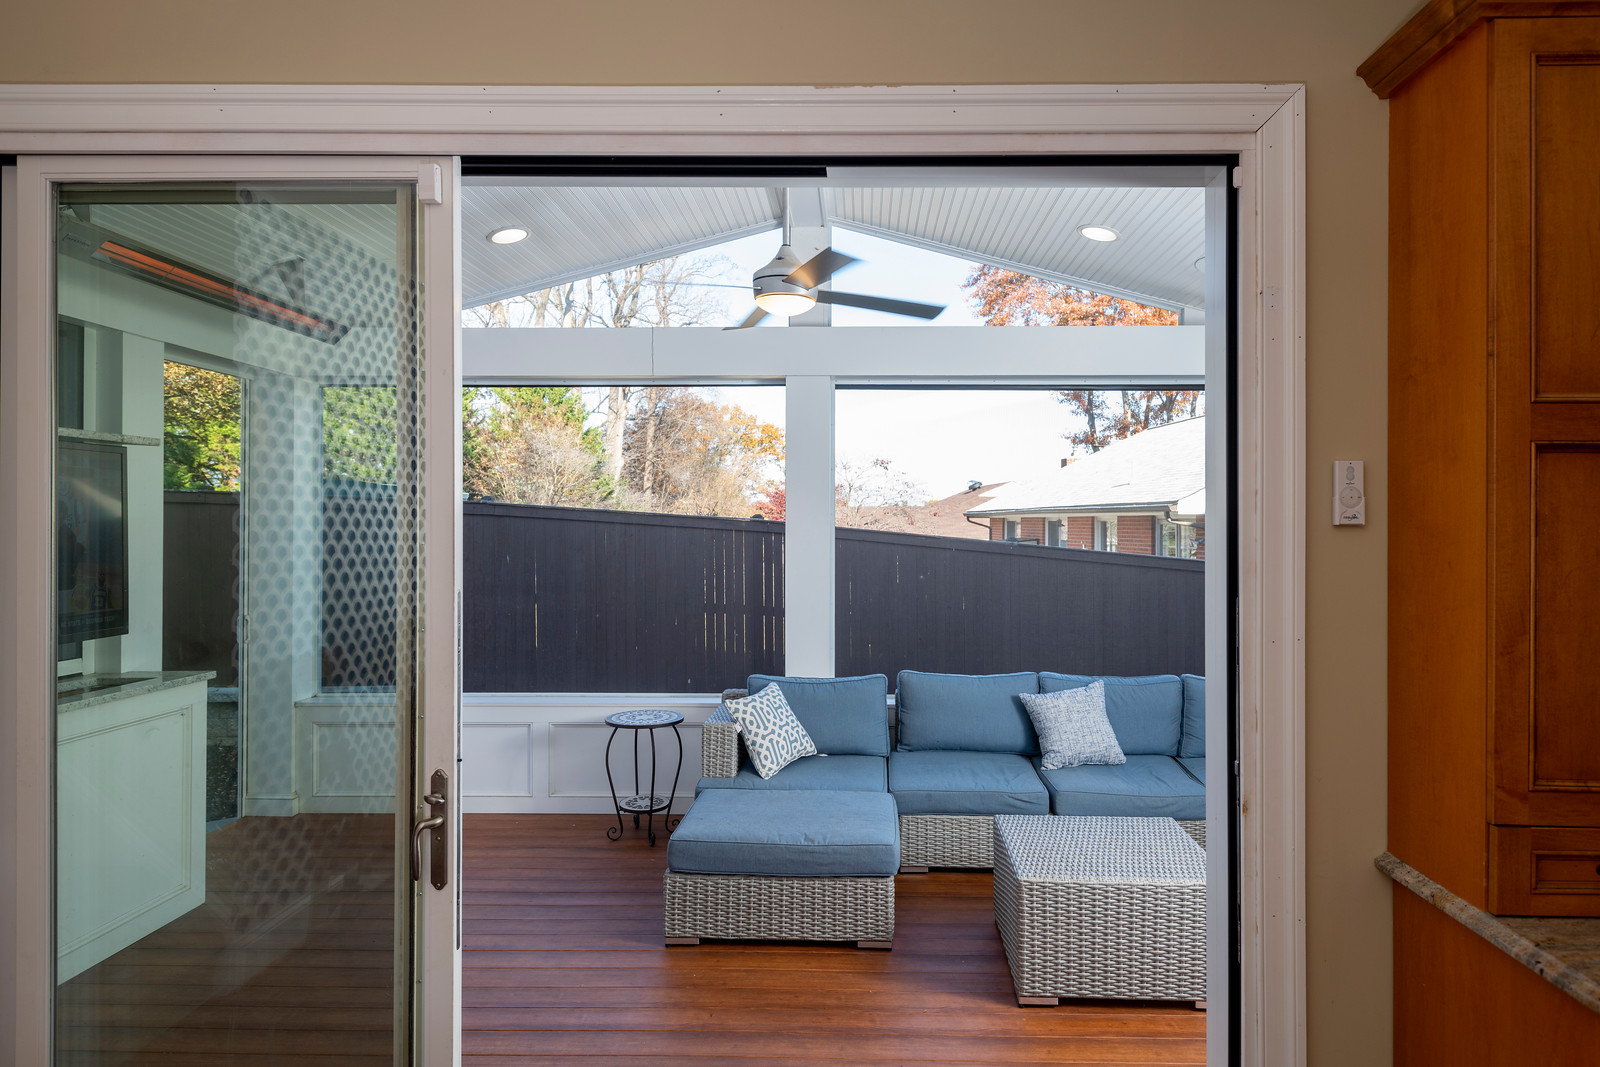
(130, 818)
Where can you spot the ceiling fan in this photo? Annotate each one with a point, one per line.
(788, 287)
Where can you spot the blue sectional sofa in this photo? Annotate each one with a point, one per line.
(957, 750)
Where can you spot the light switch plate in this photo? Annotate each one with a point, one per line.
(1349, 493)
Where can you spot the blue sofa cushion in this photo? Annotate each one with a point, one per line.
(867, 774)
(965, 712)
(966, 783)
(812, 833)
(1144, 786)
(844, 716)
(1146, 712)
(1193, 741)
(1196, 766)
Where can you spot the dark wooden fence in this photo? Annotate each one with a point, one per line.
(589, 601)
(577, 600)
(906, 602)
(200, 584)
(570, 600)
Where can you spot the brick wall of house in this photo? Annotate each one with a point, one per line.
(1078, 532)
(1136, 534)
(1032, 529)
(997, 529)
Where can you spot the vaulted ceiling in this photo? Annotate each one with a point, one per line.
(581, 231)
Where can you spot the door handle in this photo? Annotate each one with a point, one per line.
(437, 827)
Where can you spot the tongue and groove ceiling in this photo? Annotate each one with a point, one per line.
(580, 231)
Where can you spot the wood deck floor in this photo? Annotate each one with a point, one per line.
(565, 966)
(288, 963)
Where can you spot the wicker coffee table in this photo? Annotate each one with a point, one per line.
(1093, 906)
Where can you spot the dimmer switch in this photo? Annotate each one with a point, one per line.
(1349, 493)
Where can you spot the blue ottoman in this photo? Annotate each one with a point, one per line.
(805, 865)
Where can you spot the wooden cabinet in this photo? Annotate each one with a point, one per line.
(1494, 446)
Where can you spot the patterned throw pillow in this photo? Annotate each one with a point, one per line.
(1073, 728)
(772, 735)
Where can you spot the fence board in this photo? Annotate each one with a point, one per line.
(908, 602)
(579, 600)
(624, 602)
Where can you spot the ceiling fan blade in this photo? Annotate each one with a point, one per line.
(881, 303)
(754, 317)
(819, 268)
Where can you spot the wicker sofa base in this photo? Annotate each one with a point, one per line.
(968, 841)
(946, 841)
(751, 908)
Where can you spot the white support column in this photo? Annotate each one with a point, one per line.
(808, 539)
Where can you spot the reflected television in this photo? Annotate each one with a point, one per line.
(91, 541)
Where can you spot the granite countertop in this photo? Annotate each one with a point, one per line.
(1564, 952)
(105, 688)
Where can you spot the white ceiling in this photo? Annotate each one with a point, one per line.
(580, 231)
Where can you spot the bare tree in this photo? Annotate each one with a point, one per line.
(876, 496)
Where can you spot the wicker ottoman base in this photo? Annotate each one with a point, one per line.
(1100, 907)
(739, 907)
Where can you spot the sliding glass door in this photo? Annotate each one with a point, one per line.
(253, 859)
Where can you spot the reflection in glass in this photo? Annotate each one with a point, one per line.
(236, 471)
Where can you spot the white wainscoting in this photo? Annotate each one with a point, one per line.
(545, 752)
(344, 753)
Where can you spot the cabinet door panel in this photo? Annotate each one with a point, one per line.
(1566, 224)
(1545, 675)
(1566, 591)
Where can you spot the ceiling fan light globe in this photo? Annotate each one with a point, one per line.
(785, 304)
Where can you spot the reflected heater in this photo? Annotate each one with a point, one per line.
(117, 252)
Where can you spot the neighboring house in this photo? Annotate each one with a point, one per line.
(1144, 494)
(948, 517)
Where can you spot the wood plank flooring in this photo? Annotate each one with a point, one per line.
(288, 963)
(564, 965)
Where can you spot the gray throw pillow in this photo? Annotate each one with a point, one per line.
(772, 735)
(1072, 727)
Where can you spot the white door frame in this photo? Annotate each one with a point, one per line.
(27, 425)
(1263, 124)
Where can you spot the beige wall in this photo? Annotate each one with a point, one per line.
(702, 42)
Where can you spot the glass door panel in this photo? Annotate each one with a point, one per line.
(236, 509)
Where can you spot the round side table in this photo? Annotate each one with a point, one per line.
(647, 804)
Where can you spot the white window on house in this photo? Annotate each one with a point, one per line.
(1052, 533)
(1178, 541)
(1013, 529)
(1105, 534)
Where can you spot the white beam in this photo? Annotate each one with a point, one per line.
(808, 549)
(1014, 355)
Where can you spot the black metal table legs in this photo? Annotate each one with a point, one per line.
(646, 804)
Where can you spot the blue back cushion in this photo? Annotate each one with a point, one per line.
(966, 712)
(1193, 742)
(844, 716)
(1146, 712)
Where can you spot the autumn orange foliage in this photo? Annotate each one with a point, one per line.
(1004, 297)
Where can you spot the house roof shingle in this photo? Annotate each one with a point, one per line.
(1153, 469)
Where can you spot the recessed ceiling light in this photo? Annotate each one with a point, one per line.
(1098, 233)
(508, 235)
